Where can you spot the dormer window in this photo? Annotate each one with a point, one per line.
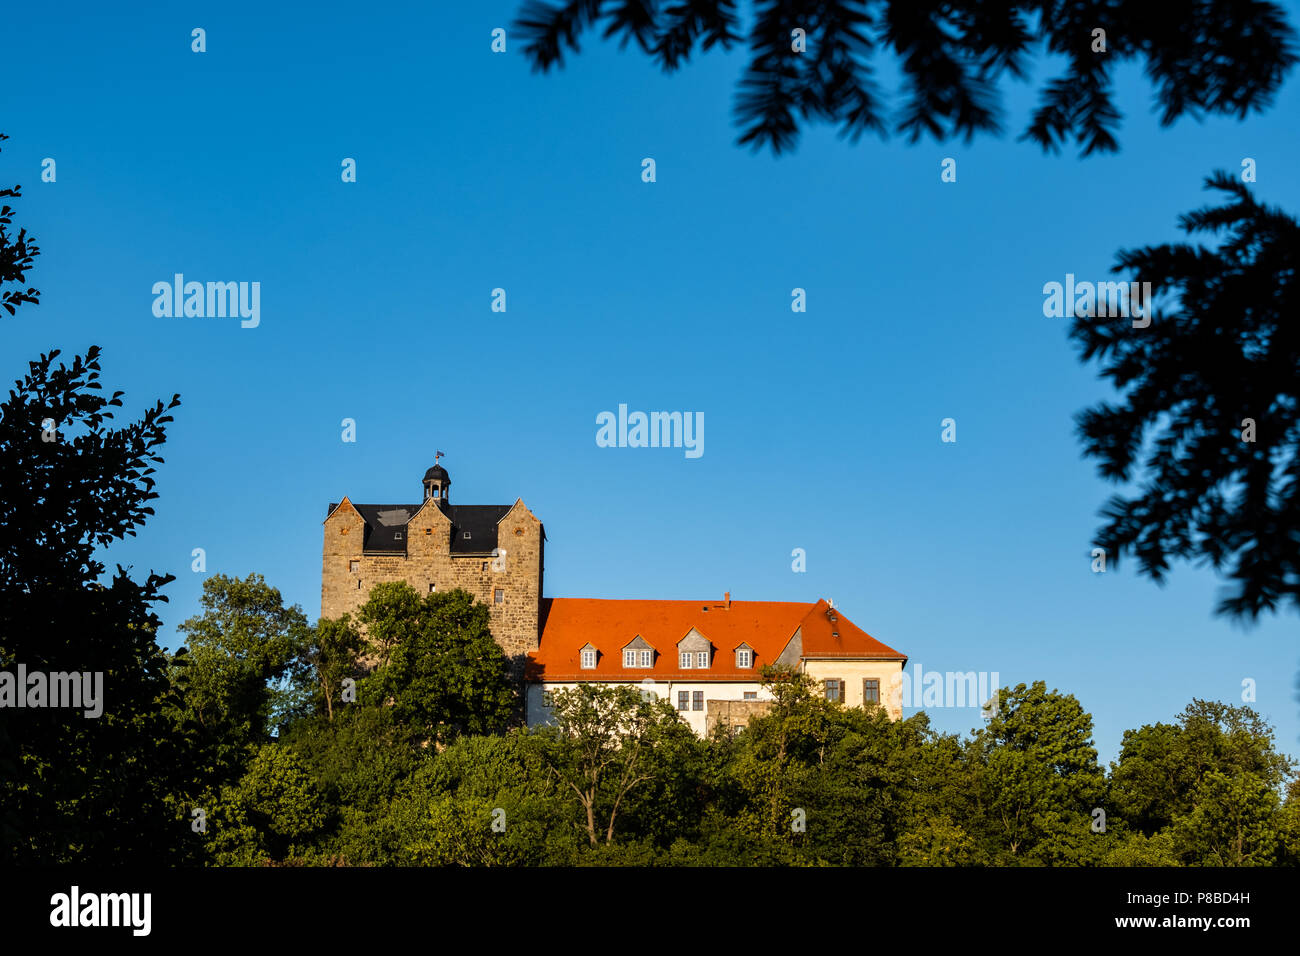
(638, 653)
(588, 658)
(744, 658)
(694, 650)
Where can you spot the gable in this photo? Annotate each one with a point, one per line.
(694, 641)
(828, 634)
(473, 527)
(792, 653)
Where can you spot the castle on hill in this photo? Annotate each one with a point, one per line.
(703, 657)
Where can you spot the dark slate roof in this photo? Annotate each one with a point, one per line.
(386, 526)
(481, 523)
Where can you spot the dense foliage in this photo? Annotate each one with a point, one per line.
(618, 779)
(1206, 437)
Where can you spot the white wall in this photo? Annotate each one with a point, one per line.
(668, 690)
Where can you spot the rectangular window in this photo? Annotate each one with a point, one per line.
(546, 698)
(484, 568)
(397, 536)
(744, 657)
(697, 700)
(834, 688)
(588, 659)
(683, 700)
(871, 690)
(684, 659)
(702, 659)
(466, 536)
(499, 596)
(647, 658)
(629, 658)
(354, 567)
(751, 695)
(433, 588)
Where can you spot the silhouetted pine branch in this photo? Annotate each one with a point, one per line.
(1205, 56)
(1229, 351)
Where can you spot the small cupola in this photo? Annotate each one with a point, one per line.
(437, 483)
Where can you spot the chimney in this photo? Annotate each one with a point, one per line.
(726, 598)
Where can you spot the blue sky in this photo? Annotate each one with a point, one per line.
(822, 429)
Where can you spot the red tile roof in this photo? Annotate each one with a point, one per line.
(569, 624)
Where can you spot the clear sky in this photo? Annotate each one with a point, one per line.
(822, 430)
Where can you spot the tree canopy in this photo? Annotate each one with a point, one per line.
(75, 785)
(817, 60)
(1209, 423)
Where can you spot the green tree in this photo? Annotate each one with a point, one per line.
(329, 658)
(361, 761)
(941, 842)
(440, 667)
(390, 616)
(772, 771)
(76, 788)
(1039, 778)
(1234, 822)
(1136, 849)
(241, 653)
(602, 740)
(1288, 827)
(487, 801)
(816, 782)
(270, 814)
(1203, 791)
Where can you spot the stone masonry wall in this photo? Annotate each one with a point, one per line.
(428, 560)
(733, 713)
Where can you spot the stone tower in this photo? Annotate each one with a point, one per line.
(495, 552)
